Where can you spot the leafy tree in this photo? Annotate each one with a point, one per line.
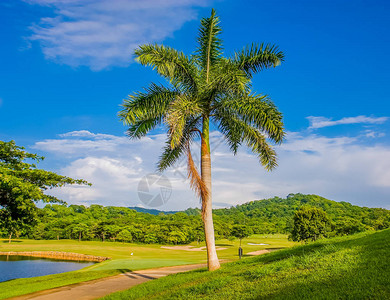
(177, 237)
(198, 233)
(22, 185)
(241, 231)
(125, 236)
(348, 226)
(8, 224)
(150, 238)
(80, 229)
(112, 231)
(203, 88)
(310, 223)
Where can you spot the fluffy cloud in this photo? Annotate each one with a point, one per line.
(114, 165)
(320, 122)
(340, 168)
(104, 33)
(112, 180)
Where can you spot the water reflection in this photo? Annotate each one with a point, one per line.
(16, 266)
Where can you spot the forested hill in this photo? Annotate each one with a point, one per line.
(152, 211)
(274, 215)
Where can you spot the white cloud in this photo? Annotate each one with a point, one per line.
(320, 122)
(84, 143)
(339, 168)
(104, 33)
(373, 134)
(113, 180)
(114, 165)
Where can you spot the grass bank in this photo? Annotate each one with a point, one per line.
(353, 267)
(144, 257)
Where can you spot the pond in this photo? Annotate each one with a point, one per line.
(15, 266)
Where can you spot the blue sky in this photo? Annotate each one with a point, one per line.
(67, 65)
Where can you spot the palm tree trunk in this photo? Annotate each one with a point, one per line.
(207, 213)
(10, 238)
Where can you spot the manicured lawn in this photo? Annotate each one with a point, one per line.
(353, 267)
(144, 257)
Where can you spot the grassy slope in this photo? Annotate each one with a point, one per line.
(353, 267)
(145, 256)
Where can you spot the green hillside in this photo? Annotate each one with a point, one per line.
(353, 267)
(275, 215)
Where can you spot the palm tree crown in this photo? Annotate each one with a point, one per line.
(202, 88)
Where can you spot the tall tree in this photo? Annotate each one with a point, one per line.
(203, 88)
(22, 185)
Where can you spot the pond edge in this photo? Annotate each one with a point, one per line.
(58, 255)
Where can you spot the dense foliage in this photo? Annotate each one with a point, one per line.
(265, 216)
(275, 215)
(21, 185)
(310, 224)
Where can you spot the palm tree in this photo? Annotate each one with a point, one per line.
(206, 88)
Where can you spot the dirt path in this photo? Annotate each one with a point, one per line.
(102, 287)
(259, 252)
(190, 248)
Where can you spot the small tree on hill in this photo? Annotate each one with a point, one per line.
(310, 223)
(241, 232)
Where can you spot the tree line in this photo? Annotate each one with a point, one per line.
(269, 216)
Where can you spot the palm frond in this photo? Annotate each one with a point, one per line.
(140, 128)
(143, 111)
(228, 79)
(237, 131)
(183, 108)
(232, 134)
(210, 45)
(169, 63)
(171, 155)
(258, 144)
(257, 110)
(255, 58)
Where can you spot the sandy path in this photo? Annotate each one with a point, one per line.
(190, 248)
(259, 252)
(102, 287)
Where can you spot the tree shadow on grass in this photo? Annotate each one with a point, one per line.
(134, 274)
(275, 249)
(123, 271)
(13, 241)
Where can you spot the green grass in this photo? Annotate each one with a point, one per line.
(144, 257)
(353, 267)
(23, 286)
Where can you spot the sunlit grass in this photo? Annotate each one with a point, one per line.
(353, 267)
(144, 257)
